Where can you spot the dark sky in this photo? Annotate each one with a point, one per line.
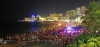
(13, 10)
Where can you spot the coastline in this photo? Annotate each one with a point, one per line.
(9, 45)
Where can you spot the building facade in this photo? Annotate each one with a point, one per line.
(30, 18)
(55, 15)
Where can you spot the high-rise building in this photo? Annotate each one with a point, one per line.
(80, 11)
(71, 13)
(68, 13)
(83, 9)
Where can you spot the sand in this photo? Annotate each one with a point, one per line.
(9, 45)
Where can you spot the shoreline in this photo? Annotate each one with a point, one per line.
(9, 45)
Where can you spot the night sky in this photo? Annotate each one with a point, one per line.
(13, 10)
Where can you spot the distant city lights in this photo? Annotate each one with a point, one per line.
(33, 16)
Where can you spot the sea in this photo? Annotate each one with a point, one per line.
(12, 28)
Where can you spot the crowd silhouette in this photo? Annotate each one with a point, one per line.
(54, 34)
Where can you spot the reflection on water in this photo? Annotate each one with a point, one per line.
(33, 27)
(12, 28)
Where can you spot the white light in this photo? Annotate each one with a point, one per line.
(69, 28)
(68, 31)
(33, 16)
(5, 42)
(67, 20)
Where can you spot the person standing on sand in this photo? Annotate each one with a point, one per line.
(1, 40)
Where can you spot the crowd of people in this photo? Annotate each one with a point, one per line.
(54, 34)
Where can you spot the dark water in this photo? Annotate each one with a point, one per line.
(11, 28)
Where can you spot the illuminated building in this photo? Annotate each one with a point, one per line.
(40, 18)
(80, 11)
(71, 16)
(83, 9)
(30, 19)
(68, 13)
(71, 13)
(55, 15)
